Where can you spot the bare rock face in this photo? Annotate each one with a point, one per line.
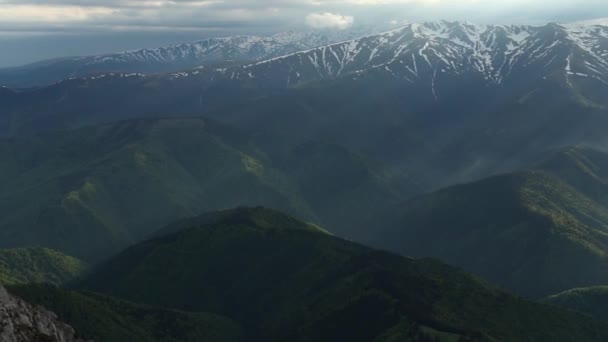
(23, 322)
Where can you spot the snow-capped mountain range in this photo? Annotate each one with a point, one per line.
(224, 50)
(419, 51)
(415, 53)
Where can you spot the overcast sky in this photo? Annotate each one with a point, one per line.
(31, 30)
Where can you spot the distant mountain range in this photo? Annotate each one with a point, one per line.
(212, 51)
(430, 53)
(434, 53)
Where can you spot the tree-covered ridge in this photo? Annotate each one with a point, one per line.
(252, 216)
(93, 191)
(590, 300)
(105, 319)
(285, 280)
(38, 265)
(113, 184)
(535, 232)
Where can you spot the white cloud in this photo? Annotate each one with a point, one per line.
(44, 13)
(273, 15)
(598, 21)
(329, 20)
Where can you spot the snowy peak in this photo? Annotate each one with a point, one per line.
(494, 53)
(232, 48)
(591, 53)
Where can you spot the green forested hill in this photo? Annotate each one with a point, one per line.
(285, 280)
(38, 265)
(590, 300)
(106, 319)
(535, 232)
(92, 191)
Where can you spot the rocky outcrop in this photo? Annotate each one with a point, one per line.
(23, 322)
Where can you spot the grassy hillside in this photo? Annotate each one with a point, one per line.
(104, 319)
(535, 232)
(590, 300)
(38, 265)
(286, 280)
(114, 184)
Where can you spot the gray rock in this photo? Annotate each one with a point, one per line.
(23, 322)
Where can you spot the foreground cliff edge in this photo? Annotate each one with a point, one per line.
(23, 322)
